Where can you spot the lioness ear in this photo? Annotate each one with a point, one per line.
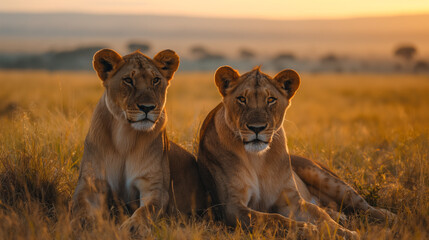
(224, 76)
(167, 62)
(105, 61)
(289, 80)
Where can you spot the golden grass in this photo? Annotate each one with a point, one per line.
(372, 130)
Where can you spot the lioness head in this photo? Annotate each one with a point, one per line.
(255, 103)
(136, 85)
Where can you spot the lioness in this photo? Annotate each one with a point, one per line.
(127, 155)
(244, 162)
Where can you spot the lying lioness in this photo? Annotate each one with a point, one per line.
(245, 165)
(127, 155)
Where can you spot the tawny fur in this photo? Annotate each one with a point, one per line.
(253, 184)
(128, 158)
(329, 190)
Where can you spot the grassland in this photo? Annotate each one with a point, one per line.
(372, 130)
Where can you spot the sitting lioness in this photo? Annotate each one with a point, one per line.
(244, 162)
(127, 155)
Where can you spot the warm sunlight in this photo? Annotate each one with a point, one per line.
(303, 119)
(272, 9)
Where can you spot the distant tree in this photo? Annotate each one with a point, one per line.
(83, 51)
(214, 56)
(397, 67)
(405, 52)
(246, 54)
(284, 57)
(198, 51)
(283, 60)
(201, 53)
(74, 59)
(421, 66)
(79, 58)
(329, 58)
(331, 62)
(142, 46)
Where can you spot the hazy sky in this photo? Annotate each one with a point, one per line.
(277, 9)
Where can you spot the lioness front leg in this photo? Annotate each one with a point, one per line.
(153, 202)
(294, 205)
(90, 201)
(322, 217)
(250, 218)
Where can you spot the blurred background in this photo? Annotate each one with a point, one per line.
(310, 35)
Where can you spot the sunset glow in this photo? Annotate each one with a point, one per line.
(271, 9)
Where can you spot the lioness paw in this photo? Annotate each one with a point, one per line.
(310, 232)
(135, 227)
(347, 234)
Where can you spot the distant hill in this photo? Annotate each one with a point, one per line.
(374, 37)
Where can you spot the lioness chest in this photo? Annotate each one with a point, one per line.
(131, 160)
(264, 182)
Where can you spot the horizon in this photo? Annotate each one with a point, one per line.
(399, 15)
(366, 37)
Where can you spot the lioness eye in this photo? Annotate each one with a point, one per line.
(271, 100)
(156, 80)
(241, 99)
(128, 81)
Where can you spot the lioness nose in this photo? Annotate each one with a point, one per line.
(256, 128)
(146, 108)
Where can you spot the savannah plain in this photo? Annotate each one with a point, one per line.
(372, 130)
